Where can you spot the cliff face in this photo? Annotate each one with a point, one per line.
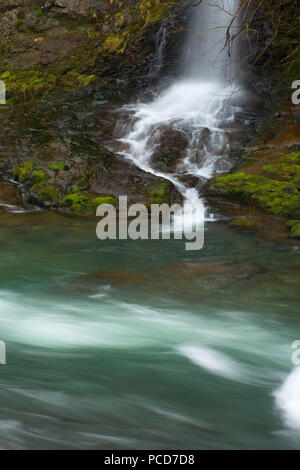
(50, 46)
(66, 64)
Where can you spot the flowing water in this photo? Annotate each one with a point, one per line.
(202, 103)
(140, 344)
(105, 353)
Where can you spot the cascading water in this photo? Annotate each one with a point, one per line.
(198, 104)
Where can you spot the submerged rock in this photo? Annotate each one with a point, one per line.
(10, 200)
(213, 267)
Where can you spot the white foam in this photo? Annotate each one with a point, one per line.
(211, 360)
(288, 399)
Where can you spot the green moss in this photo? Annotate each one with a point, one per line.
(119, 18)
(47, 193)
(277, 197)
(148, 11)
(153, 11)
(29, 84)
(60, 166)
(77, 202)
(291, 223)
(97, 201)
(82, 203)
(243, 223)
(114, 43)
(22, 172)
(160, 196)
(295, 231)
(118, 42)
(287, 167)
(38, 177)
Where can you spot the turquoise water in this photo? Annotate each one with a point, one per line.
(121, 345)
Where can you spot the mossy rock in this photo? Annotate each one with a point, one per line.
(38, 177)
(295, 231)
(83, 204)
(276, 197)
(287, 167)
(47, 193)
(29, 84)
(294, 228)
(244, 223)
(22, 172)
(59, 166)
(161, 195)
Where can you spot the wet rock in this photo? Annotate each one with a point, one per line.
(244, 223)
(212, 267)
(115, 277)
(171, 148)
(288, 190)
(122, 178)
(294, 229)
(8, 22)
(102, 281)
(73, 7)
(10, 200)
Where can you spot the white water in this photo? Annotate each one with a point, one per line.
(199, 104)
(288, 399)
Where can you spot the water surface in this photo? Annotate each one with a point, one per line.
(119, 345)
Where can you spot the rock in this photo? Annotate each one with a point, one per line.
(288, 190)
(122, 178)
(10, 201)
(294, 228)
(8, 22)
(171, 148)
(103, 280)
(213, 267)
(73, 7)
(244, 223)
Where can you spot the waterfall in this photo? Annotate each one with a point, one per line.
(199, 104)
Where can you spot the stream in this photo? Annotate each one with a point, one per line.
(122, 344)
(117, 345)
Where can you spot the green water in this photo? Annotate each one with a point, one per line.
(159, 359)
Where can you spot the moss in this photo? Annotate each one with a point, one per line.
(243, 223)
(29, 84)
(77, 203)
(60, 166)
(38, 177)
(47, 193)
(75, 189)
(148, 11)
(295, 231)
(97, 201)
(287, 167)
(119, 18)
(160, 196)
(276, 197)
(114, 43)
(22, 172)
(118, 42)
(291, 223)
(82, 203)
(153, 11)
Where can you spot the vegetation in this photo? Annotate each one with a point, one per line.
(82, 203)
(277, 197)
